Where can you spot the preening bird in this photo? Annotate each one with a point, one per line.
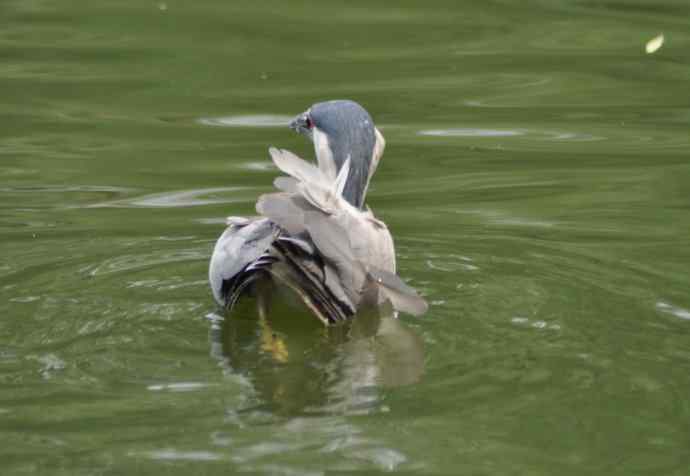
(315, 236)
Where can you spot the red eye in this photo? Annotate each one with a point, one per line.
(310, 124)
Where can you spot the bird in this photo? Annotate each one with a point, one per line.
(315, 236)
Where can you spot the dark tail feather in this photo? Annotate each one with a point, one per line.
(234, 288)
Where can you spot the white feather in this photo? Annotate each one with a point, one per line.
(295, 167)
(341, 179)
(320, 197)
(324, 155)
(376, 155)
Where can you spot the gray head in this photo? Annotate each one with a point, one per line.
(341, 129)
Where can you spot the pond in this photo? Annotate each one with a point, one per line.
(536, 181)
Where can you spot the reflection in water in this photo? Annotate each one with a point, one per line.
(301, 381)
(297, 366)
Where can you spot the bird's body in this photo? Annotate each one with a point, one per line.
(315, 236)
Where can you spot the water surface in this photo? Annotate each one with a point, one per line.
(536, 181)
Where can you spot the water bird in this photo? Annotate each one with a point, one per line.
(315, 236)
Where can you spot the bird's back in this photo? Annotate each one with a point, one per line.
(308, 238)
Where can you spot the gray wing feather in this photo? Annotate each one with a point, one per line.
(286, 184)
(236, 248)
(284, 210)
(303, 245)
(314, 281)
(403, 297)
(334, 245)
(330, 238)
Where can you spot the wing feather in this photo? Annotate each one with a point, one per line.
(237, 248)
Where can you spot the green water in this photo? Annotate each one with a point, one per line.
(536, 180)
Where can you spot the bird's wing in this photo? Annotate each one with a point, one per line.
(285, 210)
(355, 251)
(238, 247)
(369, 238)
(335, 246)
(298, 168)
(286, 184)
(310, 182)
(313, 280)
(349, 240)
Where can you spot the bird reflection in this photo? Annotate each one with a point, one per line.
(298, 366)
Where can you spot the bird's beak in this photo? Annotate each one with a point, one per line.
(300, 124)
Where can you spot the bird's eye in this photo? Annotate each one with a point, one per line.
(310, 123)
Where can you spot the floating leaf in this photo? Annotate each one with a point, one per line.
(654, 44)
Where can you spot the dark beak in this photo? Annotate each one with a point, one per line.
(299, 123)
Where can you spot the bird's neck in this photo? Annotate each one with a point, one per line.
(332, 156)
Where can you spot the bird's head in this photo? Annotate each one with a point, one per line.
(343, 129)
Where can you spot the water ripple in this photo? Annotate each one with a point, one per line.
(180, 198)
(179, 387)
(211, 221)
(176, 282)
(176, 455)
(65, 189)
(667, 308)
(258, 120)
(536, 324)
(258, 165)
(536, 135)
(470, 132)
(139, 261)
(385, 458)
